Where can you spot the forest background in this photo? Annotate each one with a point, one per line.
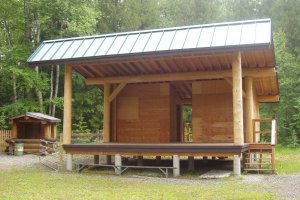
(24, 24)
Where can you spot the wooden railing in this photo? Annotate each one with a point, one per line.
(272, 130)
(4, 135)
(188, 132)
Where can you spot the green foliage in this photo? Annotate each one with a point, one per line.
(21, 106)
(87, 104)
(3, 121)
(287, 111)
(287, 160)
(187, 114)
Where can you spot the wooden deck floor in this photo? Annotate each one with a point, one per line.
(158, 149)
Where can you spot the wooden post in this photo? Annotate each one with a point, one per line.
(47, 131)
(14, 130)
(237, 94)
(53, 130)
(249, 109)
(67, 126)
(106, 114)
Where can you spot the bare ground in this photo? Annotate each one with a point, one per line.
(285, 186)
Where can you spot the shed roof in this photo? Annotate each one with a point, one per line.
(40, 116)
(241, 34)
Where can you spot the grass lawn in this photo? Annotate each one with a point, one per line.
(38, 183)
(287, 160)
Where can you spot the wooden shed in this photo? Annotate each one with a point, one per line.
(222, 70)
(33, 125)
(30, 128)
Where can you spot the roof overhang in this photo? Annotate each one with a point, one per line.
(141, 54)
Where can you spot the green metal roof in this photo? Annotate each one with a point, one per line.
(198, 37)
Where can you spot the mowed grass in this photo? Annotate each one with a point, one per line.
(287, 160)
(38, 183)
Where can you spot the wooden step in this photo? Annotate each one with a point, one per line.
(258, 163)
(247, 169)
(259, 159)
(263, 154)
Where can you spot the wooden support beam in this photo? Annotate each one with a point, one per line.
(249, 109)
(238, 124)
(184, 76)
(106, 114)
(268, 99)
(67, 123)
(116, 91)
(229, 81)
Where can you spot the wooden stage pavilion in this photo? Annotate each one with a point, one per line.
(222, 70)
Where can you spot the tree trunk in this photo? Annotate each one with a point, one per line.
(51, 91)
(27, 21)
(56, 88)
(39, 93)
(15, 87)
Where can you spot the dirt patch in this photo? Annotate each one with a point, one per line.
(9, 162)
(285, 186)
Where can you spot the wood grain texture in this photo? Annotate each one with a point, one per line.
(237, 92)
(107, 114)
(212, 112)
(67, 123)
(143, 113)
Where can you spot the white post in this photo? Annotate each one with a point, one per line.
(236, 165)
(191, 163)
(273, 133)
(176, 165)
(69, 162)
(118, 162)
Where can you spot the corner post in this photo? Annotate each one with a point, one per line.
(249, 108)
(106, 114)
(67, 124)
(237, 94)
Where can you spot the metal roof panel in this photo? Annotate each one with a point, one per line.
(220, 35)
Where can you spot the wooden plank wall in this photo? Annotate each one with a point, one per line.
(212, 115)
(143, 113)
(4, 134)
